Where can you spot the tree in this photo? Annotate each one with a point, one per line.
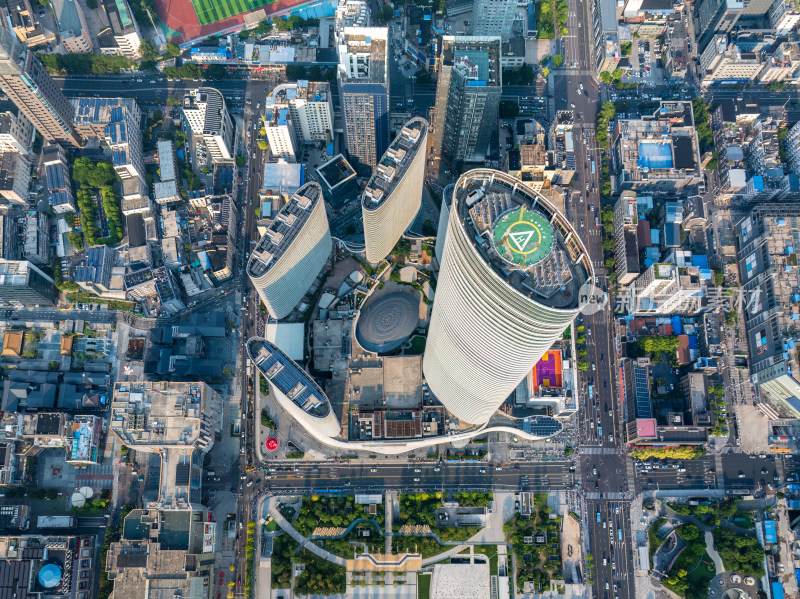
(148, 51)
(385, 14)
(617, 74)
(262, 145)
(240, 161)
(605, 77)
(295, 71)
(701, 124)
(719, 277)
(93, 174)
(264, 27)
(75, 238)
(688, 532)
(545, 71)
(508, 109)
(214, 71)
(173, 49)
(205, 170)
(282, 24)
(558, 60)
(189, 71)
(626, 48)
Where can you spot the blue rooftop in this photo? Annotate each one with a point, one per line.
(655, 155)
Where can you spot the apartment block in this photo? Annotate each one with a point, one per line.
(15, 177)
(23, 284)
(626, 245)
(27, 84)
(364, 91)
(467, 99)
(72, 29)
(122, 37)
(205, 115)
(16, 131)
(280, 133)
(310, 109)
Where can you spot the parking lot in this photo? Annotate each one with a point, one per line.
(645, 65)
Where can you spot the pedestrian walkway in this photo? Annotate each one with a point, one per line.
(303, 541)
(713, 554)
(443, 556)
(387, 502)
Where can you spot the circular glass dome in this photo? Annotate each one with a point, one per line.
(49, 576)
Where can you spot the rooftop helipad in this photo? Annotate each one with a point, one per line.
(523, 237)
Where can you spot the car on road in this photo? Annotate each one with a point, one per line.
(373, 469)
(416, 480)
(741, 474)
(417, 470)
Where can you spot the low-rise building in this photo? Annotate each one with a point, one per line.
(29, 30)
(57, 179)
(36, 245)
(171, 554)
(166, 193)
(658, 152)
(175, 420)
(48, 566)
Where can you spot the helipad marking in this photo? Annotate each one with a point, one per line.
(521, 239)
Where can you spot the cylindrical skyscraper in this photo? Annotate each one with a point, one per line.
(292, 252)
(393, 195)
(508, 286)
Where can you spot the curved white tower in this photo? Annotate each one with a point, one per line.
(393, 195)
(292, 252)
(508, 286)
(294, 388)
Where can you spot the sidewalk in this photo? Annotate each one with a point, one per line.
(303, 541)
(713, 554)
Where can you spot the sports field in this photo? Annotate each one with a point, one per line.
(211, 11)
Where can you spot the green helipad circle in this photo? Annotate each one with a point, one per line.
(523, 237)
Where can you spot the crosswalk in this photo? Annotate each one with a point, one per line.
(596, 450)
(608, 496)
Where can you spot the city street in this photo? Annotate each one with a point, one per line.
(422, 476)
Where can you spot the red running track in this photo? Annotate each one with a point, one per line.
(179, 16)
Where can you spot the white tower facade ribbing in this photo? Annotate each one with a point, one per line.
(393, 195)
(510, 274)
(292, 252)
